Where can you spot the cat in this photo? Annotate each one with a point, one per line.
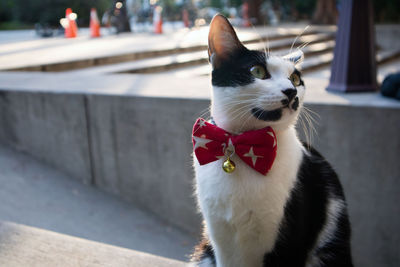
(295, 214)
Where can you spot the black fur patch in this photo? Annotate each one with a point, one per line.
(295, 104)
(304, 218)
(267, 115)
(296, 71)
(305, 215)
(235, 71)
(203, 251)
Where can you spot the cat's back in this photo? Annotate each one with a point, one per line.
(315, 229)
(317, 175)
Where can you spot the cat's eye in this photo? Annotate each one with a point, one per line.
(295, 79)
(259, 72)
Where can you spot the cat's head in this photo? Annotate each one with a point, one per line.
(251, 89)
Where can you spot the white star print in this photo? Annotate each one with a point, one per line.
(201, 142)
(271, 134)
(202, 123)
(253, 157)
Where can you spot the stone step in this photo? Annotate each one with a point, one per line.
(22, 245)
(320, 61)
(159, 47)
(317, 56)
(201, 57)
(175, 61)
(35, 194)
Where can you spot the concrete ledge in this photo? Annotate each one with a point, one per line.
(22, 246)
(139, 145)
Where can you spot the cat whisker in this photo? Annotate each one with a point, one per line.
(305, 131)
(307, 119)
(311, 120)
(242, 110)
(205, 112)
(235, 103)
(245, 121)
(311, 111)
(304, 45)
(297, 37)
(262, 41)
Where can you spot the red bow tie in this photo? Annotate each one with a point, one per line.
(256, 148)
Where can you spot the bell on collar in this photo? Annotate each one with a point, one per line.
(228, 166)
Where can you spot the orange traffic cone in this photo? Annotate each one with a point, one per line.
(94, 23)
(71, 30)
(157, 20)
(185, 18)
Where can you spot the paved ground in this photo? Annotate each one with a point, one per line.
(22, 246)
(24, 48)
(22, 51)
(34, 194)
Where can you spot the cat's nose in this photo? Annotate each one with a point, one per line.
(290, 93)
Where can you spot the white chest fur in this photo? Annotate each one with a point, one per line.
(243, 210)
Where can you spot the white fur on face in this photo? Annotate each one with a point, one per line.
(231, 106)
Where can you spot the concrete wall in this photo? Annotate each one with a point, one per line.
(139, 148)
(363, 145)
(51, 127)
(142, 151)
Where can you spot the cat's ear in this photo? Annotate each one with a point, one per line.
(296, 57)
(222, 40)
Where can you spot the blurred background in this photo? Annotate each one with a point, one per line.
(21, 14)
(98, 99)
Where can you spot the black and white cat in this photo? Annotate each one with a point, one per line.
(296, 214)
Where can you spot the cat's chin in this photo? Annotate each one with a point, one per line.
(267, 115)
(279, 119)
(287, 119)
(275, 114)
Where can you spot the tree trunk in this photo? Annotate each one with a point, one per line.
(325, 12)
(254, 12)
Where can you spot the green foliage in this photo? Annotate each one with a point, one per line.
(386, 10)
(5, 7)
(14, 25)
(236, 3)
(305, 7)
(19, 13)
(216, 3)
(49, 11)
(171, 10)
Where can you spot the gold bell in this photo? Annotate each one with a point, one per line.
(228, 166)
